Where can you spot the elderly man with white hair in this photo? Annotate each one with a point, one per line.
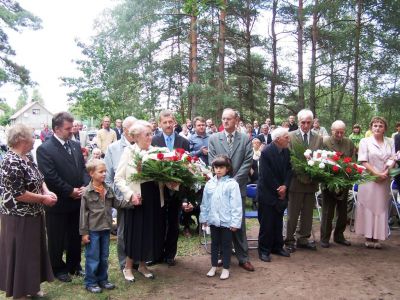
(332, 200)
(302, 189)
(274, 178)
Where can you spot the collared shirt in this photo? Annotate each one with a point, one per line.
(172, 139)
(95, 212)
(197, 142)
(233, 135)
(60, 140)
(308, 136)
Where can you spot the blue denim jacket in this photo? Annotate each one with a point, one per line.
(222, 203)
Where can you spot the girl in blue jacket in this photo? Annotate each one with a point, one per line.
(221, 209)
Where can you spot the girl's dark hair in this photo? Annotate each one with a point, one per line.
(223, 161)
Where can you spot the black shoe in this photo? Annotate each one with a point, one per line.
(170, 262)
(308, 245)
(149, 263)
(324, 244)
(265, 257)
(95, 289)
(291, 248)
(281, 252)
(343, 242)
(64, 277)
(107, 285)
(79, 273)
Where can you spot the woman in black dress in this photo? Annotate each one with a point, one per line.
(143, 223)
(24, 260)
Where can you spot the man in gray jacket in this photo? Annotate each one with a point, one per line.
(112, 157)
(238, 148)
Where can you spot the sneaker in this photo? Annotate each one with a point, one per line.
(224, 274)
(212, 272)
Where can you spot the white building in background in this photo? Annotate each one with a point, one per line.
(32, 114)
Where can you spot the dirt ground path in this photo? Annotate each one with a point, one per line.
(335, 273)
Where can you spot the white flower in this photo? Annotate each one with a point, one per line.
(324, 154)
(321, 165)
(310, 163)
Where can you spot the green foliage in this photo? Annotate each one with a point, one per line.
(13, 17)
(334, 172)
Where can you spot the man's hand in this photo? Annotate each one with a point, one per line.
(281, 192)
(204, 150)
(76, 193)
(85, 239)
(187, 207)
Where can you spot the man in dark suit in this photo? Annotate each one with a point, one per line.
(292, 123)
(237, 146)
(62, 164)
(264, 136)
(118, 129)
(302, 189)
(256, 129)
(274, 178)
(173, 200)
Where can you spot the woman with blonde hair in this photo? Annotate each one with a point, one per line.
(24, 260)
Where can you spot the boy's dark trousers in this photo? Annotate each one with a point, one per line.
(221, 242)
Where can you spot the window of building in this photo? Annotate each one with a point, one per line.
(35, 111)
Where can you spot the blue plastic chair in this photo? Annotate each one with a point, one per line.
(251, 192)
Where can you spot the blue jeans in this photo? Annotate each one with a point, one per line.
(96, 254)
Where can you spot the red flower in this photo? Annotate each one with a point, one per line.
(346, 160)
(160, 156)
(174, 158)
(348, 170)
(359, 170)
(195, 158)
(180, 151)
(335, 169)
(355, 166)
(335, 157)
(189, 158)
(338, 153)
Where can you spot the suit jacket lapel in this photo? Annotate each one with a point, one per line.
(236, 142)
(224, 142)
(66, 155)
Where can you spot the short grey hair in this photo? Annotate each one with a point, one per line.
(279, 132)
(128, 122)
(338, 124)
(138, 127)
(304, 114)
(264, 125)
(18, 133)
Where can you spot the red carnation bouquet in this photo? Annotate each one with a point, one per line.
(177, 166)
(332, 169)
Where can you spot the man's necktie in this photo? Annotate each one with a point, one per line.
(305, 140)
(230, 142)
(68, 147)
(169, 143)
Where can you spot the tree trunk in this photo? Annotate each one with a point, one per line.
(300, 31)
(313, 67)
(193, 77)
(221, 56)
(274, 63)
(249, 67)
(356, 61)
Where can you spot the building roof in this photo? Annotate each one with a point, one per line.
(26, 107)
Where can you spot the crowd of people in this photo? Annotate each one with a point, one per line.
(67, 197)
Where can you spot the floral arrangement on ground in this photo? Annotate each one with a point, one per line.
(332, 169)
